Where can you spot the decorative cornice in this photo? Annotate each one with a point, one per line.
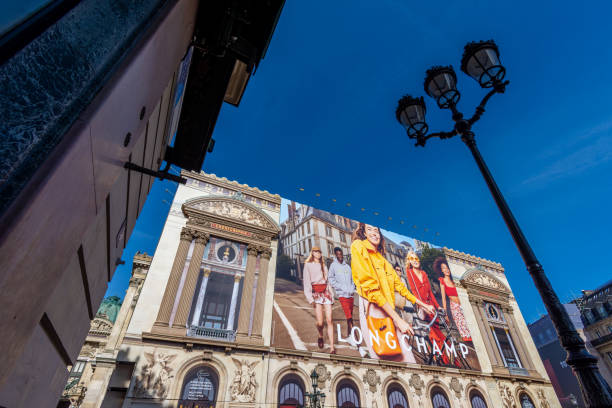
(485, 280)
(472, 260)
(228, 211)
(232, 185)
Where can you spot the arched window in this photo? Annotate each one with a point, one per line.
(477, 400)
(347, 395)
(396, 397)
(199, 388)
(526, 401)
(291, 392)
(438, 398)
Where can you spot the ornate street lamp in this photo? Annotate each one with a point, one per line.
(316, 398)
(481, 62)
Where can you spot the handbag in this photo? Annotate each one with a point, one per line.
(382, 335)
(319, 287)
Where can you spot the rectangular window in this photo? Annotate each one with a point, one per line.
(328, 231)
(77, 368)
(506, 347)
(342, 237)
(330, 249)
(308, 226)
(309, 244)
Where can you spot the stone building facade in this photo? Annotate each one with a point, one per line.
(201, 332)
(596, 313)
(98, 355)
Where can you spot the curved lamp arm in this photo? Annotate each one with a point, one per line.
(498, 88)
(442, 135)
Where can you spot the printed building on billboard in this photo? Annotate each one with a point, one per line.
(232, 315)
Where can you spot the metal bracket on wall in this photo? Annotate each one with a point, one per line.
(162, 175)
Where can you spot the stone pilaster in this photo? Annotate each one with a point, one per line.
(247, 295)
(260, 298)
(165, 308)
(184, 305)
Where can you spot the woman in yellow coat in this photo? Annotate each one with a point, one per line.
(376, 283)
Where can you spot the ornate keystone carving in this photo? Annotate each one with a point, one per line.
(372, 379)
(417, 383)
(244, 386)
(482, 278)
(323, 374)
(455, 385)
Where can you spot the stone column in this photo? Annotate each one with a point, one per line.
(244, 315)
(232, 311)
(195, 319)
(184, 305)
(165, 308)
(260, 299)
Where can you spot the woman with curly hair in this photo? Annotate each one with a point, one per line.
(376, 282)
(421, 287)
(318, 293)
(448, 288)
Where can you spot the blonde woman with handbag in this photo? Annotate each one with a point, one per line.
(376, 282)
(318, 293)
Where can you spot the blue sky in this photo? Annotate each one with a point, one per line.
(319, 115)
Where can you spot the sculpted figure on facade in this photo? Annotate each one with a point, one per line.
(542, 397)
(154, 376)
(506, 396)
(244, 386)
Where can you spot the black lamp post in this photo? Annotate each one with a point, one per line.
(481, 62)
(316, 398)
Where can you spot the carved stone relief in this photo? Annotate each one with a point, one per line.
(484, 279)
(417, 383)
(324, 374)
(244, 385)
(155, 376)
(542, 397)
(455, 385)
(507, 397)
(236, 211)
(372, 379)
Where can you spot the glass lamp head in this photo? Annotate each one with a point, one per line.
(315, 378)
(441, 84)
(410, 113)
(481, 61)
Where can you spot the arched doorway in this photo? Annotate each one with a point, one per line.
(199, 388)
(291, 392)
(347, 395)
(526, 402)
(396, 398)
(439, 399)
(477, 400)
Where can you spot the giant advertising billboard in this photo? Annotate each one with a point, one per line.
(353, 289)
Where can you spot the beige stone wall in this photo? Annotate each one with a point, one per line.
(371, 379)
